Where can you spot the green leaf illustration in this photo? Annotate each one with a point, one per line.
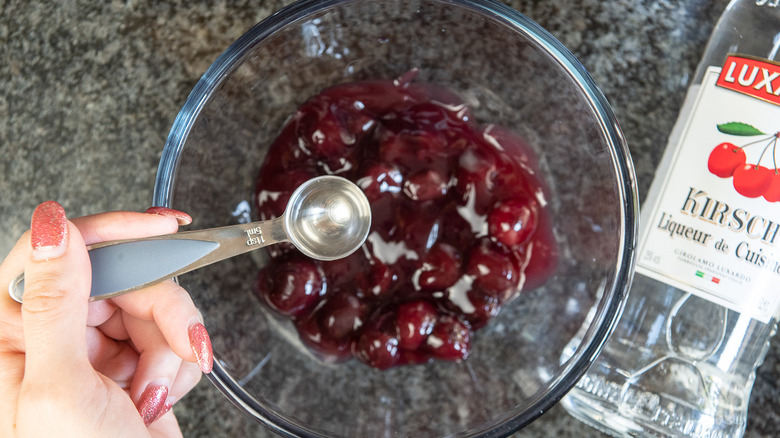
(739, 128)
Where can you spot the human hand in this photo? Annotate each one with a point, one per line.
(70, 367)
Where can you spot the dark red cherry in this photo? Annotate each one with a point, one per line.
(414, 150)
(440, 268)
(485, 308)
(425, 185)
(449, 340)
(328, 129)
(353, 119)
(342, 271)
(460, 225)
(478, 164)
(323, 346)
(476, 177)
(419, 231)
(293, 287)
(376, 278)
(342, 315)
(378, 349)
(274, 188)
(415, 322)
(495, 269)
(375, 97)
(394, 149)
(513, 222)
(377, 179)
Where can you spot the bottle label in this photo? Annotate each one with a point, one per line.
(715, 229)
(751, 76)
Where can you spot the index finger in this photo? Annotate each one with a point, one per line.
(117, 225)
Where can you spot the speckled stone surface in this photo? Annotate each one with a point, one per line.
(89, 90)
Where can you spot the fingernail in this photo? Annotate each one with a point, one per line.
(152, 403)
(181, 217)
(201, 345)
(48, 231)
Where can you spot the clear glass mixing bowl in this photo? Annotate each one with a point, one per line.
(512, 73)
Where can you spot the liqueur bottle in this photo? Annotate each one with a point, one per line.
(706, 294)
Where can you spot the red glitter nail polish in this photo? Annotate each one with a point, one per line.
(152, 403)
(201, 345)
(181, 217)
(48, 231)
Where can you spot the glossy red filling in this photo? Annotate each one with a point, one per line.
(459, 223)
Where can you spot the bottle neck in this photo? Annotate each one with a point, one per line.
(747, 27)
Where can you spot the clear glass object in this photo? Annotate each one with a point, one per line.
(678, 363)
(512, 73)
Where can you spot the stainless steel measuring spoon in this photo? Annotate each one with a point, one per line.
(326, 218)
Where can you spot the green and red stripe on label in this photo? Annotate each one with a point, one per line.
(700, 274)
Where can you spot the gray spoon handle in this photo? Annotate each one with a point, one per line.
(123, 266)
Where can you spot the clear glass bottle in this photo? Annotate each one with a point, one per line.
(705, 299)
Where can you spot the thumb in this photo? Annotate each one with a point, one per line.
(56, 293)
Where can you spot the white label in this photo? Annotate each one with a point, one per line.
(718, 237)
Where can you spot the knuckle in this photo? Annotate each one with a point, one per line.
(169, 296)
(179, 296)
(189, 376)
(43, 294)
(11, 339)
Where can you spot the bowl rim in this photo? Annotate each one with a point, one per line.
(604, 321)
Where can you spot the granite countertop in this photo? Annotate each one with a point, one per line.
(89, 90)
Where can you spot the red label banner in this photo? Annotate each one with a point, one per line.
(755, 77)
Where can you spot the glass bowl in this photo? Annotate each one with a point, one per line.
(512, 73)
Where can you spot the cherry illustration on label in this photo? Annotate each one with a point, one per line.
(751, 180)
(725, 158)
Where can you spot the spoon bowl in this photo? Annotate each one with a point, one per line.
(327, 218)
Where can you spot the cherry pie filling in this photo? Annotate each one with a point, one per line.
(459, 228)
